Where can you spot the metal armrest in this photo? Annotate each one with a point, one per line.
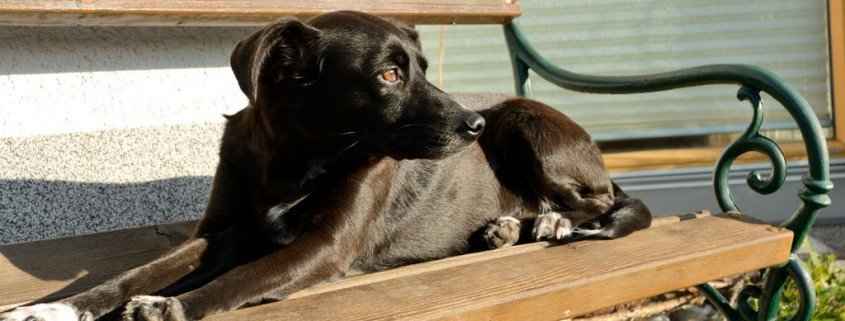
(752, 80)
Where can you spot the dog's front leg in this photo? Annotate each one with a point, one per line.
(317, 256)
(101, 299)
(214, 238)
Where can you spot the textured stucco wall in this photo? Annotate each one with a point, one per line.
(63, 80)
(106, 128)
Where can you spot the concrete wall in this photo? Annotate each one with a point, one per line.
(105, 128)
(66, 80)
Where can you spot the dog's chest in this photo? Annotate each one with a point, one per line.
(421, 222)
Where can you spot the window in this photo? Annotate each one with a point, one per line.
(640, 37)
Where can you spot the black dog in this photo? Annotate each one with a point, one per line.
(348, 160)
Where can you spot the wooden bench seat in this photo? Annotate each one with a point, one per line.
(535, 281)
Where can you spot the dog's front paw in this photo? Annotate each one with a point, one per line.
(154, 308)
(502, 232)
(551, 226)
(46, 312)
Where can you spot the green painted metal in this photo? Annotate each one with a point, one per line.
(719, 301)
(752, 80)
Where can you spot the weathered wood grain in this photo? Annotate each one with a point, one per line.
(55, 268)
(546, 284)
(456, 261)
(242, 12)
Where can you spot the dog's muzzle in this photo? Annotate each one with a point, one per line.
(474, 124)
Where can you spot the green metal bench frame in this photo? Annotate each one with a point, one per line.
(752, 80)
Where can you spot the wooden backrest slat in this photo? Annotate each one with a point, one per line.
(243, 12)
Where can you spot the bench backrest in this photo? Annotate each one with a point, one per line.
(245, 13)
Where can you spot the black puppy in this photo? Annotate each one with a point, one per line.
(347, 160)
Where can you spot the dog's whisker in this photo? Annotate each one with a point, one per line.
(350, 146)
(411, 125)
(345, 133)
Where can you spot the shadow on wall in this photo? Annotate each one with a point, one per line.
(37, 209)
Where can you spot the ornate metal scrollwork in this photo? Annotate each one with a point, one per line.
(749, 141)
(744, 305)
(752, 80)
(769, 295)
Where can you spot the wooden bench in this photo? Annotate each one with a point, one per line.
(533, 281)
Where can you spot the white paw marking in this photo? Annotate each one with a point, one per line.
(552, 226)
(139, 301)
(46, 312)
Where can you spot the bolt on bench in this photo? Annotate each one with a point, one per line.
(534, 281)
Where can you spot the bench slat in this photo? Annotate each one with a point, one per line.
(549, 284)
(242, 12)
(57, 268)
(691, 249)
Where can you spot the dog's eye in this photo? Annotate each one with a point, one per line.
(391, 75)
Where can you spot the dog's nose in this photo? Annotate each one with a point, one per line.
(474, 124)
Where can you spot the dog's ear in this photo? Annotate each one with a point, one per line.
(284, 53)
(413, 34)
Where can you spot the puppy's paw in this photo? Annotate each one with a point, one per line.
(551, 226)
(154, 308)
(46, 312)
(502, 232)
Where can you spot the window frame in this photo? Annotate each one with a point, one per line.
(836, 32)
(665, 159)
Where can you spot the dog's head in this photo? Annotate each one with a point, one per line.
(351, 74)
